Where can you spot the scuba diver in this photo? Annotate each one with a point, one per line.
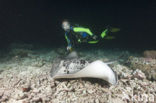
(78, 34)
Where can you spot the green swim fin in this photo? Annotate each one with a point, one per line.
(114, 29)
(110, 37)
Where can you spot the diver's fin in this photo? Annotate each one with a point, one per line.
(112, 29)
(110, 37)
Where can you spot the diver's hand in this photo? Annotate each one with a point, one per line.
(69, 48)
(94, 37)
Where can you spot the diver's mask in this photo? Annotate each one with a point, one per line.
(66, 25)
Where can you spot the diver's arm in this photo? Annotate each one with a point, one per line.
(68, 41)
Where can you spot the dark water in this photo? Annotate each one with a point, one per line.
(39, 21)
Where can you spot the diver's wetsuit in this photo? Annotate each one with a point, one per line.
(82, 35)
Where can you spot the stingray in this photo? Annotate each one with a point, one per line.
(76, 68)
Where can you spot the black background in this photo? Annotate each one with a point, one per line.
(39, 21)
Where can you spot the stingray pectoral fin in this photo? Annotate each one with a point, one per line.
(98, 69)
(64, 76)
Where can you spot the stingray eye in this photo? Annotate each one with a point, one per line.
(82, 61)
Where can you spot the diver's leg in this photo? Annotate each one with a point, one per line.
(104, 33)
(107, 33)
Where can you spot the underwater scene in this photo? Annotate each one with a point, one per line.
(77, 51)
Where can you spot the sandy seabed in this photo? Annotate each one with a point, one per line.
(25, 78)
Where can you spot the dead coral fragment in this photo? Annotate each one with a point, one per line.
(26, 89)
(139, 74)
(150, 54)
(19, 53)
(144, 64)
